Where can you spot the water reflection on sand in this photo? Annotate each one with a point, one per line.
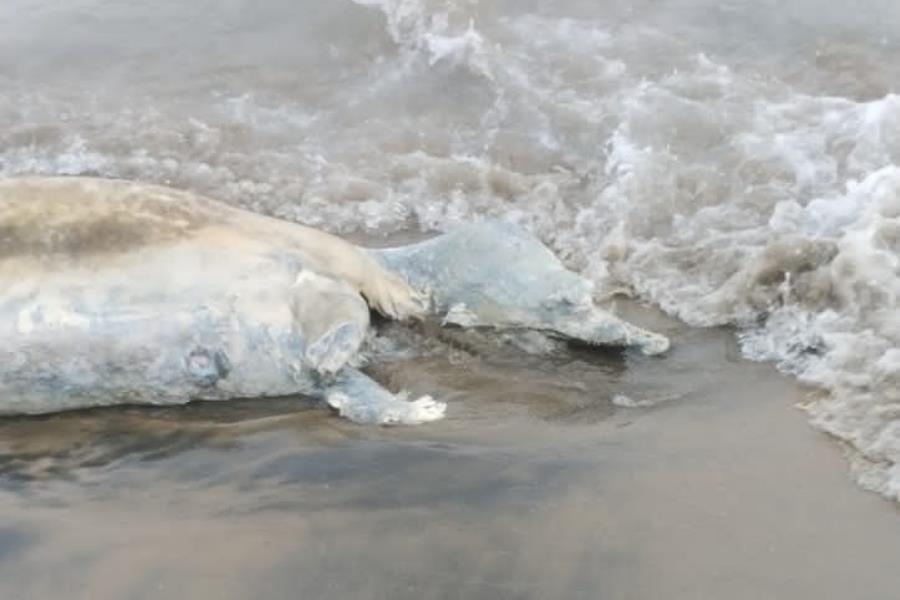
(536, 486)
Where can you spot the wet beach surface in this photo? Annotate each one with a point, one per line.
(535, 486)
(733, 162)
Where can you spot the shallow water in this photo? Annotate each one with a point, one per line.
(732, 162)
(535, 486)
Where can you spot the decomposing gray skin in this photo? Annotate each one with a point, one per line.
(114, 292)
(122, 293)
(498, 276)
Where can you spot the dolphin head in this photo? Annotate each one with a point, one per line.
(497, 275)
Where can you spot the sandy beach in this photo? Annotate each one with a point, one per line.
(732, 163)
(535, 486)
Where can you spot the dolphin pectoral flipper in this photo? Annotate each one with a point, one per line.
(362, 400)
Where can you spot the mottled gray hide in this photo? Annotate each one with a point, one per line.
(120, 293)
(114, 292)
(499, 276)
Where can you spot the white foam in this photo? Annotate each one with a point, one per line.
(411, 25)
(624, 401)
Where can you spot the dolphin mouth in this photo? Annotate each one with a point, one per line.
(653, 344)
(649, 343)
(605, 330)
(596, 328)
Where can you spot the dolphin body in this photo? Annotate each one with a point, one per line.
(115, 292)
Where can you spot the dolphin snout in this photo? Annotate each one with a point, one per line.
(598, 328)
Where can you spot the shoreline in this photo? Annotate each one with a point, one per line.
(725, 491)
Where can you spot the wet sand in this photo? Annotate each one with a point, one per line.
(535, 486)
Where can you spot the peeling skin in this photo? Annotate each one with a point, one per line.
(114, 292)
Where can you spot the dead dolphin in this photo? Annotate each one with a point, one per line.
(114, 292)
